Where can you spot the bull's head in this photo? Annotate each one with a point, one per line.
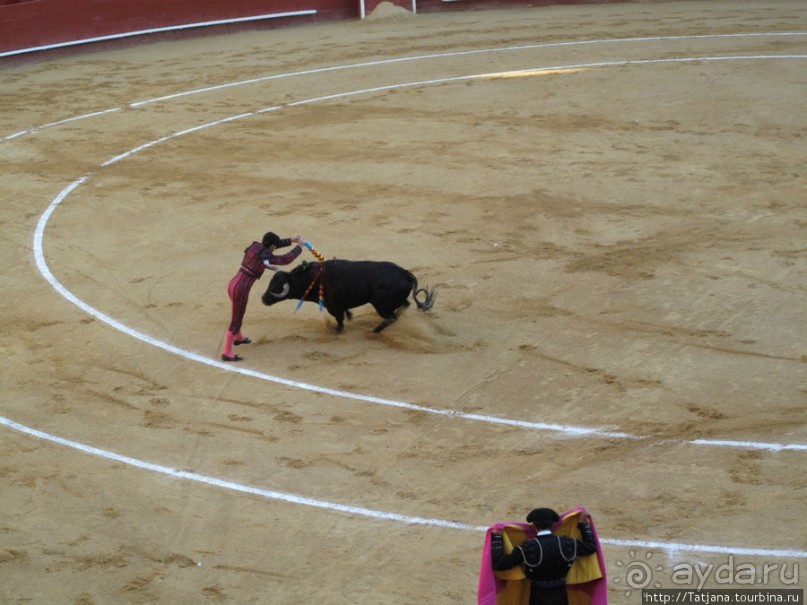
(284, 285)
(279, 288)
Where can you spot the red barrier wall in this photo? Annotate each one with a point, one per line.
(26, 24)
(35, 23)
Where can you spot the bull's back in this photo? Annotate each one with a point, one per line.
(356, 283)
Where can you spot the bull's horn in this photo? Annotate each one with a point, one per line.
(283, 293)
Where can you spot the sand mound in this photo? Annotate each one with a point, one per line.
(387, 11)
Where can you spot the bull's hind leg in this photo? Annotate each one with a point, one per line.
(390, 317)
(388, 321)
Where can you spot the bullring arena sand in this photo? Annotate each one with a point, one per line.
(618, 247)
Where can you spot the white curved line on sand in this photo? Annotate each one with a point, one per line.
(670, 547)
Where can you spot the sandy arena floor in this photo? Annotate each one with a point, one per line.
(611, 200)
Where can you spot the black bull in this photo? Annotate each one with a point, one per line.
(349, 284)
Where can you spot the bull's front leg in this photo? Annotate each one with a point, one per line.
(339, 316)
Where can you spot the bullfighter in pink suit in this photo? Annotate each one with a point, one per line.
(257, 258)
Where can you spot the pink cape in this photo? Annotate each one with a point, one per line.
(490, 585)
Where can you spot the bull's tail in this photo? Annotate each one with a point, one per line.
(430, 295)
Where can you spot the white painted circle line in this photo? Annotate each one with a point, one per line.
(670, 547)
(60, 122)
(403, 60)
(564, 429)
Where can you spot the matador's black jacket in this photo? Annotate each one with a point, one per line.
(547, 559)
